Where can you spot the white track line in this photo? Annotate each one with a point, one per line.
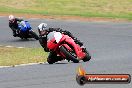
(34, 18)
(29, 64)
(20, 64)
(9, 46)
(5, 66)
(2, 16)
(20, 47)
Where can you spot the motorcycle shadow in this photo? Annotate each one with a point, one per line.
(61, 63)
(22, 40)
(68, 62)
(57, 63)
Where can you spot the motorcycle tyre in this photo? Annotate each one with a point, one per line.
(68, 55)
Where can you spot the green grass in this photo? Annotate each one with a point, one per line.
(16, 56)
(84, 8)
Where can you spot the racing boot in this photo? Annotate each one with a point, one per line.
(78, 42)
(74, 38)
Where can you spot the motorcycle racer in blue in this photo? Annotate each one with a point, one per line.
(13, 24)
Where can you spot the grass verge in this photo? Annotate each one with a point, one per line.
(15, 56)
(83, 8)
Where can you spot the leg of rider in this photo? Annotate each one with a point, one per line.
(43, 43)
(14, 31)
(54, 57)
(50, 58)
(17, 31)
(59, 58)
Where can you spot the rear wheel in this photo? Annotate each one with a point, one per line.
(68, 54)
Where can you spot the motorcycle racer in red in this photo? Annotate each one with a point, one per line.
(44, 31)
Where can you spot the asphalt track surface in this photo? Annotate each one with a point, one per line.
(110, 45)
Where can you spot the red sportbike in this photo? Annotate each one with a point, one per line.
(65, 47)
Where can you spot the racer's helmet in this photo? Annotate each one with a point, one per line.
(11, 18)
(42, 28)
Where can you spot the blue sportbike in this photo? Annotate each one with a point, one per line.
(25, 31)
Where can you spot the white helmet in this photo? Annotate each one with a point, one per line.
(42, 26)
(11, 17)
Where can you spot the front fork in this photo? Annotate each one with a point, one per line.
(78, 50)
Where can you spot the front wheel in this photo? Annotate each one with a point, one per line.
(34, 35)
(87, 57)
(68, 55)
